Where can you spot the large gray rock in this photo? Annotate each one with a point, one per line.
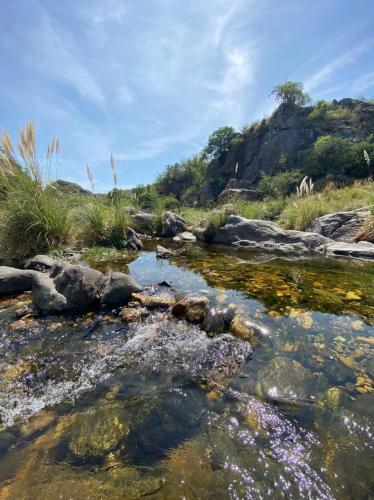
(13, 281)
(80, 285)
(172, 225)
(144, 221)
(133, 240)
(118, 289)
(340, 226)
(40, 263)
(286, 379)
(361, 250)
(45, 296)
(262, 235)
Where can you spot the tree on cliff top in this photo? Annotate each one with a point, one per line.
(291, 93)
(218, 143)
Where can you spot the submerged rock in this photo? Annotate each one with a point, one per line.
(172, 224)
(131, 314)
(286, 379)
(14, 281)
(246, 329)
(192, 308)
(118, 289)
(262, 235)
(40, 263)
(217, 320)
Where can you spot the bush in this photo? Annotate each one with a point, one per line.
(340, 157)
(281, 184)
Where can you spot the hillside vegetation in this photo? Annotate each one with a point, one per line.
(300, 163)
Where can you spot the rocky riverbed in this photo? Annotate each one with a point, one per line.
(211, 371)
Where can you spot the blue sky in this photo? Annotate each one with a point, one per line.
(149, 80)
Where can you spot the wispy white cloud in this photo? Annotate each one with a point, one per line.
(363, 82)
(54, 56)
(324, 74)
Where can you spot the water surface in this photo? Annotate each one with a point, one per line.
(92, 408)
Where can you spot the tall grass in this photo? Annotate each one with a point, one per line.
(104, 224)
(33, 219)
(300, 212)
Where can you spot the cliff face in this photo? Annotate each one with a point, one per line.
(288, 133)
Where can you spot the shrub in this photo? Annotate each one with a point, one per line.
(280, 184)
(339, 156)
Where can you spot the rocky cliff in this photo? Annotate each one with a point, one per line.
(286, 136)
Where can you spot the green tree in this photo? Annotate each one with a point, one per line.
(291, 93)
(219, 143)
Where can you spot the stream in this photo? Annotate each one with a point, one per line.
(94, 408)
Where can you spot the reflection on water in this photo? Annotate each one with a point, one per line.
(91, 408)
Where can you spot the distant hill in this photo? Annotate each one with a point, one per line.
(67, 187)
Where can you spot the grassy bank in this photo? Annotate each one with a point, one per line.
(292, 212)
(36, 216)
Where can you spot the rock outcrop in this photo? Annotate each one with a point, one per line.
(288, 133)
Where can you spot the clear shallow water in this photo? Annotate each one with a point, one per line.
(93, 409)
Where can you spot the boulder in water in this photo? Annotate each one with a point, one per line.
(133, 240)
(80, 285)
(158, 301)
(164, 253)
(185, 236)
(14, 281)
(118, 289)
(45, 296)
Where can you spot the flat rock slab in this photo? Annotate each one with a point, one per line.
(263, 235)
(185, 236)
(361, 250)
